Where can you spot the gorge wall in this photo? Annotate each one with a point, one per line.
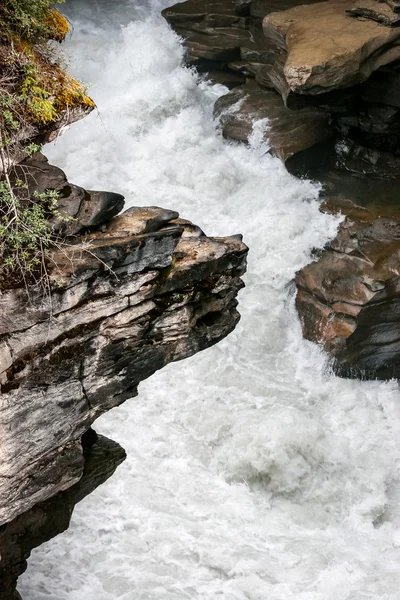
(118, 296)
(321, 79)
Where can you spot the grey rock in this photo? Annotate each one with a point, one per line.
(50, 518)
(149, 289)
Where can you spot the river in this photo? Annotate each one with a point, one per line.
(253, 473)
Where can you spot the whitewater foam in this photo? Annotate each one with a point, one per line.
(252, 473)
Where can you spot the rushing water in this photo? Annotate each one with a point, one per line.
(252, 472)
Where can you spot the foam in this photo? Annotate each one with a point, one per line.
(252, 472)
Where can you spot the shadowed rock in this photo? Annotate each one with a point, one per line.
(287, 132)
(79, 209)
(50, 518)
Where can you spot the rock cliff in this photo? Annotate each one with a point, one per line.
(145, 289)
(114, 298)
(323, 78)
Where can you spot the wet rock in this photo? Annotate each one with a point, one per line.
(346, 298)
(148, 289)
(383, 87)
(288, 132)
(211, 30)
(367, 161)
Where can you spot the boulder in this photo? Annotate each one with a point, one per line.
(327, 48)
(287, 132)
(77, 209)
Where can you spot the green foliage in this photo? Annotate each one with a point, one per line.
(36, 98)
(30, 18)
(35, 93)
(26, 235)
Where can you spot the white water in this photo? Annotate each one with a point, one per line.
(252, 473)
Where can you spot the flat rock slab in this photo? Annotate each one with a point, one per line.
(329, 49)
(288, 132)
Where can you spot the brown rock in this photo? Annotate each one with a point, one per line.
(349, 299)
(327, 48)
(288, 132)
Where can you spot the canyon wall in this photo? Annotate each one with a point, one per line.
(116, 297)
(322, 79)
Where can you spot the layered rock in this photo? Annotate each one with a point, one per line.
(288, 133)
(326, 48)
(322, 87)
(121, 297)
(120, 304)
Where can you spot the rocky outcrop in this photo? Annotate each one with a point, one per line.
(326, 48)
(225, 41)
(121, 303)
(322, 88)
(122, 296)
(287, 132)
(347, 299)
(112, 298)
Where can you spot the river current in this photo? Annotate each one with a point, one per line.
(253, 473)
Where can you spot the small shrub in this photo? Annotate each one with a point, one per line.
(34, 20)
(34, 94)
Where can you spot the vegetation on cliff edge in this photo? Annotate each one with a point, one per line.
(36, 97)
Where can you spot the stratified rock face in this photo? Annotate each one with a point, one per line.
(50, 518)
(146, 290)
(322, 88)
(348, 299)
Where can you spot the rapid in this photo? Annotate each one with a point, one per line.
(253, 473)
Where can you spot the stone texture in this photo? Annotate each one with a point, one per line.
(212, 30)
(348, 297)
(329, 49)
(336, 69)
(288, 132)
(84, 209)
(50, 518)
(377, 11)
(148, 289)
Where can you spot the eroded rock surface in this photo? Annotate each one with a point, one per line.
(147, 290)
(348, 298)
(327, 48)
(322, 88)
(287, 132)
